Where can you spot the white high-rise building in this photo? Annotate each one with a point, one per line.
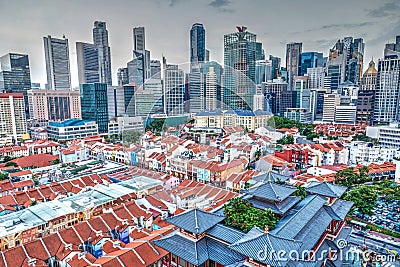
(316, 77)
(330, 103)
(211, 89)
(56, 53)
(174, 90)
(12, 115)
(386, 105)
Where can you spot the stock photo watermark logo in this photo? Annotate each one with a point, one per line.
(344, 252)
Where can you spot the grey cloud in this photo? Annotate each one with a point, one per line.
(339, 26)
(219, 3)
(387, 9)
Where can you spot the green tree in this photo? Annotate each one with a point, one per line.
(346, 177)
(7, 158)
(56, 161)
(131, 136)
(301, 191)
(286, 140)
(364, 198)
(241, 214)
(3, 176)
(11, 163)
(157, 125)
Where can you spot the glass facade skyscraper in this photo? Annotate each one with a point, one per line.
(239, 71)
(88, 63)
(15, 75)
(387, 101)
(310, 60)
(197, 43)
(100, 40)
(56, 53)
(293, 62)
(94, 104)
(174, 90)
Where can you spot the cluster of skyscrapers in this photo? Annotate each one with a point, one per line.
(310, 87)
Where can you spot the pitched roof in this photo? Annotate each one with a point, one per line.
(326, 189)
(272, 191)
(38, 160)
(198, 251)
(195, 220)
(257, 240)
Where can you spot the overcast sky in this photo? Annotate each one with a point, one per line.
(318, 24)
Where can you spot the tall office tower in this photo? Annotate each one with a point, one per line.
(12, 115)
(386, 106)
(211, 90)
(301, 84)
(276, 66)
(331, 101)
(239, 70)
(335, 73)
(88, 63)
(197, 44)
(316, 77)
(196, 88)
(155, 69)
(218, 70)
(366, 93)
(139, 39)
(293, 61)
(310, 60)
(56, 53)
(120, 101)
(155, 87)
(263, 71)
(352, 51)
(319, 104)
(392, 50)
(174, 90)
(197, 58)
(207, 59)
(259, 51)
(15, 75)
(135, 69)
(123, 76)
(274, 92)
(54, 105)
(140, 53)
(100, 40)
(94, 104)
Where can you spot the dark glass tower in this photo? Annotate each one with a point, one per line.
(293, 61)
(15, 75)
(239, 72)
(197, 43)
(100, 40)
(310, 60)
(94, 104)
(88, 63)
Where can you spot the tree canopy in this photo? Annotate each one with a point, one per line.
(3, 176)
(364, 198)
(131, 136)
(241, 214)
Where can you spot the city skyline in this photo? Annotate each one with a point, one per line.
(374, 22)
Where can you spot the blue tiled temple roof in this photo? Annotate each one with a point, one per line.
(272, 191)
(225, 233)
(326, 189)
(196, 220)
(198, 251)
(256, 240)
